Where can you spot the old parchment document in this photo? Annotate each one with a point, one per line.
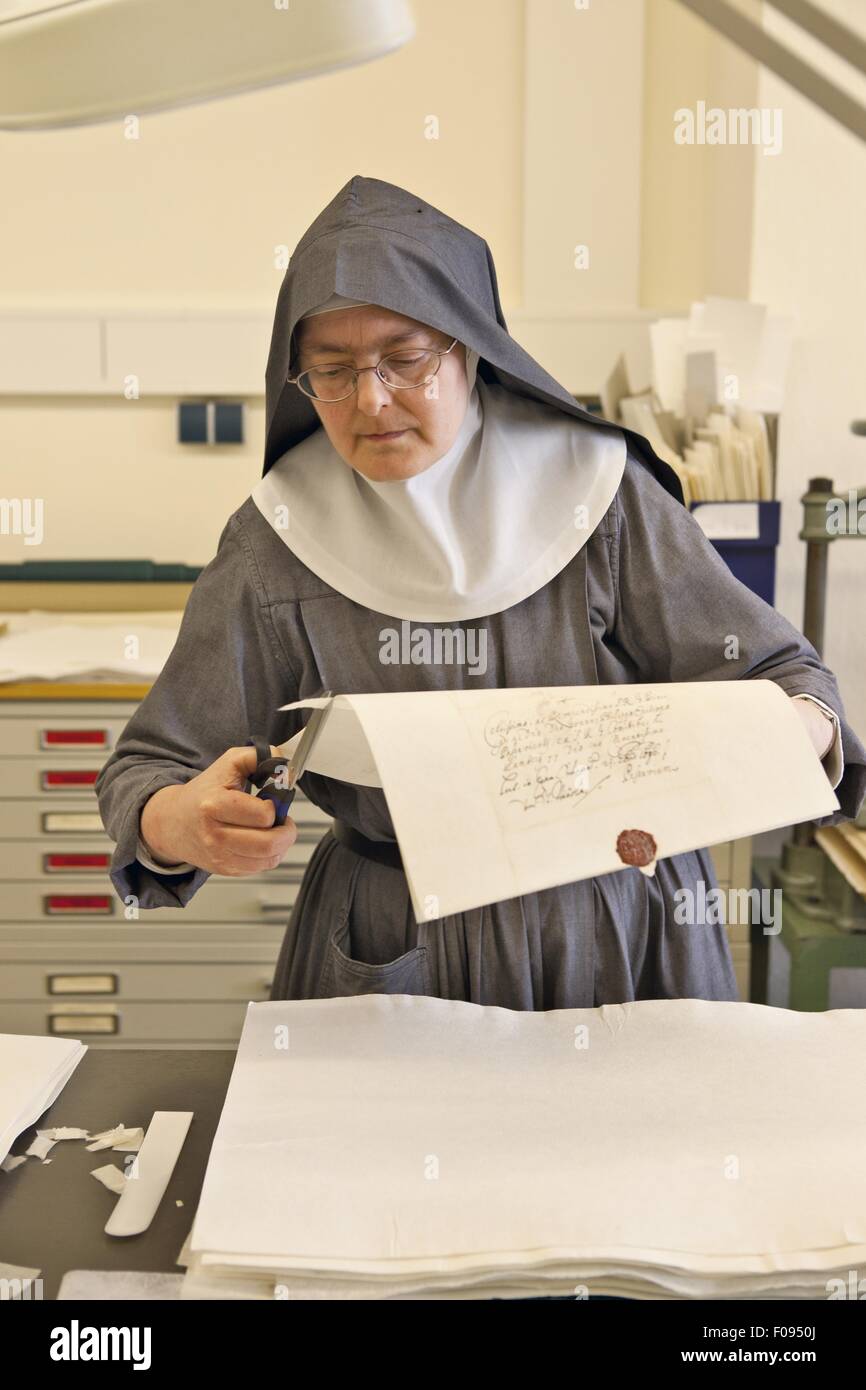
(496, 793)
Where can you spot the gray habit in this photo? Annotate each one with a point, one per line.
(646, 599)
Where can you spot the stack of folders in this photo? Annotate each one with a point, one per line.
(727, 459)
(715, 376)
(409, 1147)
(33, 1072)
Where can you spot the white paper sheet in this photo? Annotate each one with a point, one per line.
(668, 344)
(728, 520)
(384, 1139)
(497, 793)
(33, 1072)
(109, 1285)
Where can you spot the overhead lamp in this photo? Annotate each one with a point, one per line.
(76, 62)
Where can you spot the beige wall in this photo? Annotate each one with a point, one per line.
(190, 215)
(532, 153)
(696, 199)
(808, 259)
(784, 230)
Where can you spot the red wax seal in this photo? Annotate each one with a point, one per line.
(636, 847)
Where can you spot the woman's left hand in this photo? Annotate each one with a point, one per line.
(819, 727)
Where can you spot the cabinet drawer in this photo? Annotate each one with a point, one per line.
(55, 779)
(133, 1022)
(267, 899)
(71, 859)
(150, 938)
(77, 814)
(63, 983)
(60, 732)
(32, 818)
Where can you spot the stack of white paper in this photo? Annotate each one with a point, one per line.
(397, 1146)
(33, 1072)
(131, 651)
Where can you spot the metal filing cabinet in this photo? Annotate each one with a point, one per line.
(71, 962)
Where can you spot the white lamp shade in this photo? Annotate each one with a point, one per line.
(74, 62)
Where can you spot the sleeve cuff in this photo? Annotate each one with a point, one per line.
(833, 761)
(144, 858)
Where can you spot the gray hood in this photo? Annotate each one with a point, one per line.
(379, 243)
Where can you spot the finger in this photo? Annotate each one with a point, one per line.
(239, 808)
(256, 844)
(236, 765)
(241, 865)
(234, 867)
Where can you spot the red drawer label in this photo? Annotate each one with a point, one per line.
(75, 861)
(53, 738)
(75, 902)
(84, 778)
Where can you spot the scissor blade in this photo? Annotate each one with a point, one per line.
(308, 738)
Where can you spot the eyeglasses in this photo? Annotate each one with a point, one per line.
(401, 371)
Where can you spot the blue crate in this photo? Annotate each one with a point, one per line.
(752, 560)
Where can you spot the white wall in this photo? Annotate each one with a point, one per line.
(539, 149)
(189, 216)
(808, 258)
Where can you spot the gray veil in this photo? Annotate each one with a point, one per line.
(379, 243)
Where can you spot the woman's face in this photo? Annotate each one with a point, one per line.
(428, 417)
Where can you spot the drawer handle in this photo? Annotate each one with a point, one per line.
(81, 984)
(72, 822)
(59, 903)
(73, 738)
(272, 908)
(83, 1023)
(73, 862)
(62, 781)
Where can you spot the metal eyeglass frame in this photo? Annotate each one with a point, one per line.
(441, 352)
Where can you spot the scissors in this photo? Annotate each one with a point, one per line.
(276, 778)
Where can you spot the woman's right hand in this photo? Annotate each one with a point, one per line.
(213, 823)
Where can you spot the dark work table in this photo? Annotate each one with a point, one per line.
(52, 1215)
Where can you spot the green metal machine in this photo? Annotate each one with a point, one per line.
(823, 914)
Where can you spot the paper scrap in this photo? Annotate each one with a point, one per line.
(127, 1140)
(110, 1176)
(41, 1146)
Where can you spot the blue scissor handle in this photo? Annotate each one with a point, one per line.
(264, 776)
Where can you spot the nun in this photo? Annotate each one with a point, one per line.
(437, 512)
